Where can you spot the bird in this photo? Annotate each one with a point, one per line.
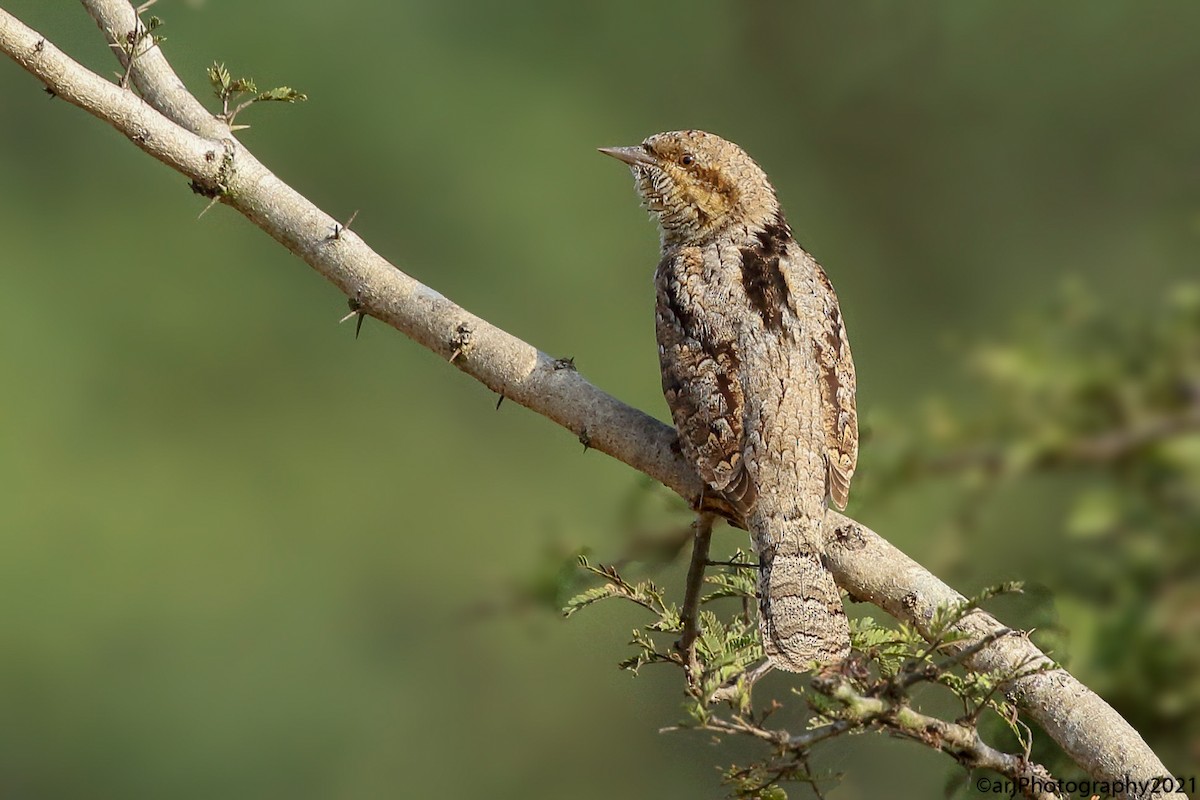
(758, 375)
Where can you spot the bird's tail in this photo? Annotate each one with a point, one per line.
(800, 614)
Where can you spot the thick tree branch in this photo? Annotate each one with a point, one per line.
(174, 128)
(1089, 730)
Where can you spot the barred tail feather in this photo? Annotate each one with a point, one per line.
(800, 614)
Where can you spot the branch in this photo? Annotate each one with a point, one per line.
(1089, 730)
(172, 126)
(1091, 450)
(689, 614)
(881, 706)
(962, 742)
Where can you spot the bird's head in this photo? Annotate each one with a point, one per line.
(698, 185)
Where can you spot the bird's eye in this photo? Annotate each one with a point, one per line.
(687, 160)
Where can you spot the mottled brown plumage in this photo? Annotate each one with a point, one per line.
(757, 372)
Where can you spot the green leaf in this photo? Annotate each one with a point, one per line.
(584, 599)
(731, 584)
(888, 647)
(220, 79)
(866, 632)
(243, 85)
(283, 94)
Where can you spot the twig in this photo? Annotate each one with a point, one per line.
(960, 741)
(1098, 448)
(735, 564)
(690, 612)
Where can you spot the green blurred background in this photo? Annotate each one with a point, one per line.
(245, 555)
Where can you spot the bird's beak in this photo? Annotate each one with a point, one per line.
(633, 156)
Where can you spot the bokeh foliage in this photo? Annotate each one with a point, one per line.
(241, 554)
(1091, 418)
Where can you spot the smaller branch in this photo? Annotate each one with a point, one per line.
(239, 108)
(730, 691)
(799, 744)
(982, 644)
(885, 707)
(960, 656)
(739, 726)
(1113, 445)
(690, 613)
(1090, 450)
(959, 741)
(154, 78)
(735, 564)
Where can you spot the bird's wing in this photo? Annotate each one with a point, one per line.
(835, 368)
(702, 388)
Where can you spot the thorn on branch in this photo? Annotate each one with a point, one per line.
(216, 198)
(499, 400)
(40, 46)
(585, 439)
(356, 309)
(567, 363)
(339, 228)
